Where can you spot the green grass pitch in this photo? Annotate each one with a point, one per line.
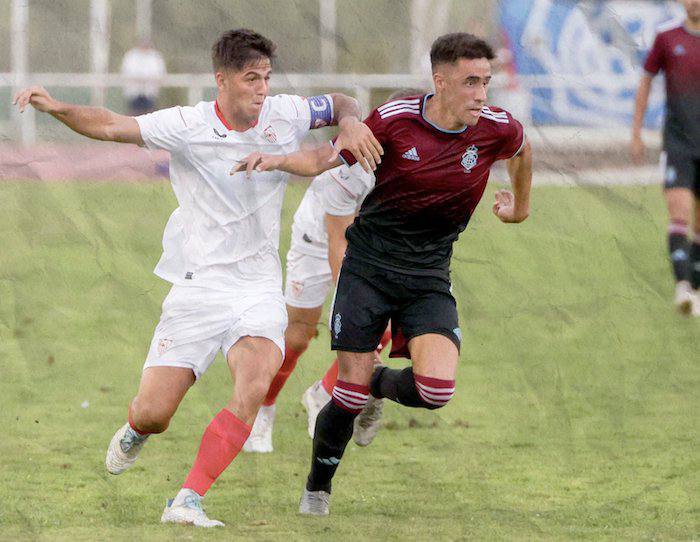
(576, 414)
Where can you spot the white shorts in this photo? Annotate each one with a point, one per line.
(308, 280)
(198, 322)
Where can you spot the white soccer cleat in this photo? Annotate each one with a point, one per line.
(314, 399)
(123, 449)
(186, 509)
(684, 297)
(260, 439)
(368, 422)
(314, 503)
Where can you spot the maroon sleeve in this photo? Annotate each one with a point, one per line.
(513, 138)
(377, 125)
(655, 58)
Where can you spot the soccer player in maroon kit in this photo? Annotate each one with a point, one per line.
(676, 52)
(437, 153)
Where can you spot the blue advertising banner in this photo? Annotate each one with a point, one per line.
(590, 55)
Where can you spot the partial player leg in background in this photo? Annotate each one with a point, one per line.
(695, 247)
(679, 177)
(253, 361)
(300, 330)
(160, 392)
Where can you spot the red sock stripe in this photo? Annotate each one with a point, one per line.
(678, 227)
(351, 397)
(331, 377)
(434, 391)
(290, 362)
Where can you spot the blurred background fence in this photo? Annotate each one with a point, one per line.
(568, 69)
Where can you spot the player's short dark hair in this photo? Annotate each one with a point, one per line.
(449, 48)
(404, 92)
(236, 49)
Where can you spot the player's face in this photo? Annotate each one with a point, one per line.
(692, 7)
(245, 90)
(463, 86)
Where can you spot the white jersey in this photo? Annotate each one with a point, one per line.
(340, 192)
(223, 219)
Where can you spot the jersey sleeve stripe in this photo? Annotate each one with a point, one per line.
(399, 106)
(399, 111)
(397, 102)
(501, 114)
(495, 119)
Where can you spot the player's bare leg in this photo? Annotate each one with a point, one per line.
(334, 427)
(300, 330)
(253, 362)
(695, 260)
(160, 392)
(680, 204)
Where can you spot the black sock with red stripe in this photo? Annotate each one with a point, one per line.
(678, 249)
(396, 385)
(409, 389)
(334, 427)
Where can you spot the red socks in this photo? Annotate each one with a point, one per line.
(290, 361)
(331, 377)
(222, 440)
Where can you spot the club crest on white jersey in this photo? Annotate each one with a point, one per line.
(469, 158)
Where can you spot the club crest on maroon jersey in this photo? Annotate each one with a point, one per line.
(469, 158)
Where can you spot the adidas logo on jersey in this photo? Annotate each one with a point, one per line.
(411, 154)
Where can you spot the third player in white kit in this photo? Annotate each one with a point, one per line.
(313, 261)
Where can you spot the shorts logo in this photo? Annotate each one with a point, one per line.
(671, 174)
(337, 326)
(469, 158)
(297, 288)
(458, 333)
(163, 345)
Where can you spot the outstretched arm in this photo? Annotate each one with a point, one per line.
(637, 148)
(94, 122)
(514, 207)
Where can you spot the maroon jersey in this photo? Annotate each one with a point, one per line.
(676, 52)
(427, 186)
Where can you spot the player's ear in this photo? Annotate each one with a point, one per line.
(220, 77)
(439, 81)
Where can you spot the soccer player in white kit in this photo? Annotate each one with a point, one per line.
(220, 247)
(316, 253)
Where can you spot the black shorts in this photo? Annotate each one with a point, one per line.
(681, 170)
(367, 297)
